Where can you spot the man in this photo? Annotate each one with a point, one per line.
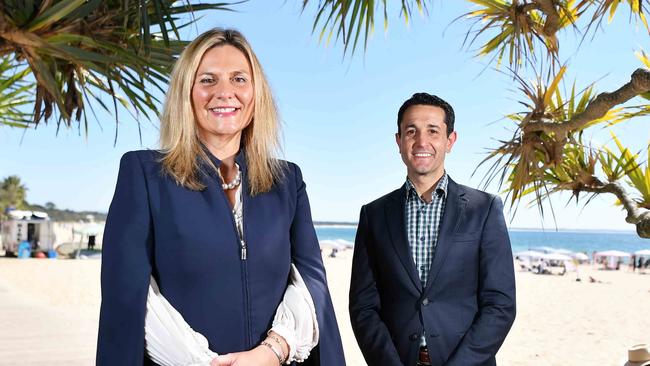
(432, 275)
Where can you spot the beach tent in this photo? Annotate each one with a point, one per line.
(612, 253)
(613, 258)
(562, 251)
(89, 229)
(552, 250)
(580, 256)
(556, 257)
(529, 254)
(643, 252)
(544, 249)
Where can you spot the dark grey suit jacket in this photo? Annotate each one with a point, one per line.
(466, 307)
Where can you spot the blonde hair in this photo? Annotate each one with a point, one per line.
(179, 135)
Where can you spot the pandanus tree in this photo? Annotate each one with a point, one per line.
(547, 152)
(58, 58)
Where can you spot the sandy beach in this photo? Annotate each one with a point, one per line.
(49, 311)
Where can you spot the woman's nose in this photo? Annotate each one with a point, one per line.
(224, 91)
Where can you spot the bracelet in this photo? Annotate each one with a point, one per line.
(279, 355)
(275, 338)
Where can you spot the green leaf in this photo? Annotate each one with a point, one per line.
(55, 13)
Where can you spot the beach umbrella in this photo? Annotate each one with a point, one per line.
(612, 253)
(556, 257)
(529, 254)
(89, 229)
(642, 252)
(562, 251)
(580, 256)
(544, 249)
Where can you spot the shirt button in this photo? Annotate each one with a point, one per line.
(422, 238)
(425, 302)
(423, 267)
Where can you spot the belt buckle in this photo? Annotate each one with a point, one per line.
(423, 357)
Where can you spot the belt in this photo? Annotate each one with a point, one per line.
(423, 357)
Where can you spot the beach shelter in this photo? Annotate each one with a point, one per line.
(532, 254)
(613, 258)
(643, 252)
(580, 256)
(89, 229)
(544, 249)
(612, 253)
(562, 251)
(556, 257)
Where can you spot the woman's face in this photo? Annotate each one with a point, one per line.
(222, 95)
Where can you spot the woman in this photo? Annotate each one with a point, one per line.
(176, 211)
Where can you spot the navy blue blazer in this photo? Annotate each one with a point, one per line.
(468, 303)
(188, 241)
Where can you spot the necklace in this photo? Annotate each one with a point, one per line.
(235, 182)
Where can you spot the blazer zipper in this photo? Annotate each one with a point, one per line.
(243, 256)
(244, 251)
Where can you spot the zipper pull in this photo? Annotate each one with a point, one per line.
(243, 249)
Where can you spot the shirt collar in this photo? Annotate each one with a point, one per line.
(441, 187)
(240, 158)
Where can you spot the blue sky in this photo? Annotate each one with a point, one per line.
(339, 114)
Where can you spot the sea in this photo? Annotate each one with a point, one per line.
(525, 239)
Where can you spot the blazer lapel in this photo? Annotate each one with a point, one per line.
(454, 210)
(396, 224)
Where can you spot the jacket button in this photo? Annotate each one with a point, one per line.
(425, 302)
(414, 337)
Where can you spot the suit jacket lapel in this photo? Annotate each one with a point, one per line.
(396, 223)
(454, 210)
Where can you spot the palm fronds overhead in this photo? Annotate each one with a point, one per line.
(15, 94)
(79, 50)
(349, 20)
(518, 29)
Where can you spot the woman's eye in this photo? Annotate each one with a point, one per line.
(206, 80)
(240, 79)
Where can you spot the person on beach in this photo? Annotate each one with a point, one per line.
(215, 219)
(432, 273)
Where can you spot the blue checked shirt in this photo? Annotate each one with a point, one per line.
(422, 223)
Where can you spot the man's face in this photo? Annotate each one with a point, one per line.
(423, 141)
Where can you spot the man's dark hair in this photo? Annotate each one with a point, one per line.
(432, 100)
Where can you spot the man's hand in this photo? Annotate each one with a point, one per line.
(258, 356)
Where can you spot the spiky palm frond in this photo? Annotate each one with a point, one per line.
(79, 50)
(538, 161)
(15, 96)
(637, 176)
(517, 28)
(348, 20)
(608, 8)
